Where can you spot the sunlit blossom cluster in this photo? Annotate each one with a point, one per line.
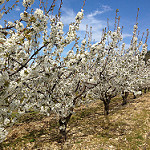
(28, 3)
(2, 1)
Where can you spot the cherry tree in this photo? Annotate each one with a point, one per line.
(21, 62)
(121, 68)
(35, 76)
(133, 66)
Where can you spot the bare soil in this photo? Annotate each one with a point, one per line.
(126, 128)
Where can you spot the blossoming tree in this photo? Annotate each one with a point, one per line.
(122, 69)
(38, 77)
(35, 76)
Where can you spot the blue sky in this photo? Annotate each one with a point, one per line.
(96, 13)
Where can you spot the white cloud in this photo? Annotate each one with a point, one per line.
(105, 8)
(97, 27)
(95, 13)
(126, 35)
(68, 16)
(96, 24)
(127, 46)
(17, 8)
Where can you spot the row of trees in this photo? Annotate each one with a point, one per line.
(35, 76)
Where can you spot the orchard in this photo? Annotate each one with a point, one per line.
(35, 76)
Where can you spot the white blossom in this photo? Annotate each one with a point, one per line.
(6, 121)
(2, 1)
(27, 3)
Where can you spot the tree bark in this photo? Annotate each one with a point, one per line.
(134, 97)
(124, 97)
(63, 122)
(106, 107)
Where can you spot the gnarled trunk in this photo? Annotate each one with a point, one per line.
(134, 96)
(106, 106)
(124, 97)
(63, 122)
(106, 110)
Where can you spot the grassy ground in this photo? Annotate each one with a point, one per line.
(128, 128)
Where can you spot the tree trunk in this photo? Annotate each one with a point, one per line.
(145, 90)
(134, 97)
(106, 111)
(124, 97)
(63, 122)
(106, 107)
